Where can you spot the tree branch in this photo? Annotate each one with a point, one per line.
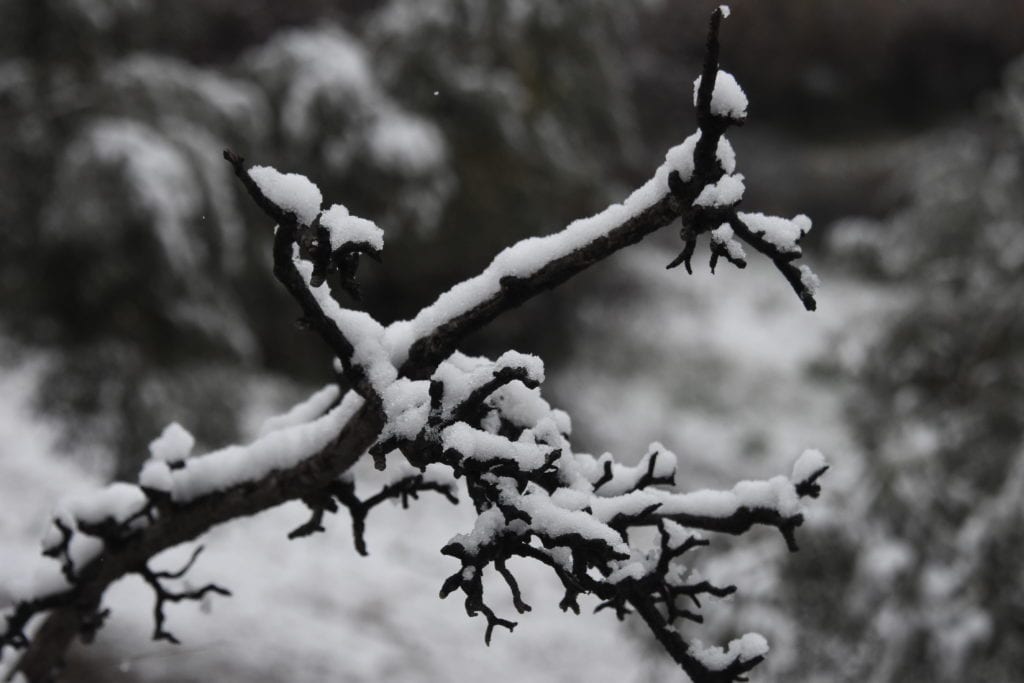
(305, 253)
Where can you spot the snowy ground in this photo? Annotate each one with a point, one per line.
(715, 368)
(720, 368)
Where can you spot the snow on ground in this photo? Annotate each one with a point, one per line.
(29, 481)
(716, 367)
(313, 610)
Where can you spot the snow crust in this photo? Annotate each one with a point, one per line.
(406, 406)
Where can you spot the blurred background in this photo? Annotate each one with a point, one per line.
(135, 289)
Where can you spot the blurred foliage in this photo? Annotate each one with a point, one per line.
(932, 533)
(130, 254)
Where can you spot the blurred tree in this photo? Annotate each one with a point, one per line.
(120, 209)
(927, 553)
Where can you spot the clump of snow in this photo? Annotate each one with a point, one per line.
(809, 279)
(173, 445)
(625, 478)
(476, 444)
(526, 407)
(407, 405)
(743, 649)
(345, 228)
(809, 462)
(117, 502)
(725, 236)
(726, 155)
(554, 522)
(570, 499)
(488, 526)
(290, 191)
(726, 192)
(533, 365)
(156, 475)
(728, 99)
(679, 534)
(631, 569)
(783, 233)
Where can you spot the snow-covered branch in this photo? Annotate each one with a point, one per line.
(446, 422)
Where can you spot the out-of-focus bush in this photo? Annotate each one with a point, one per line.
(458, 126)
(929, 588)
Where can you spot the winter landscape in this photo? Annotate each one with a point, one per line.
(283, 282)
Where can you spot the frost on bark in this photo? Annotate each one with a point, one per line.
(438, 421)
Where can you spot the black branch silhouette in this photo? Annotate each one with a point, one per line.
(442, 422)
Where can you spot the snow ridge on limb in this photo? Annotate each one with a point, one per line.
(452, 417)
(306, 252)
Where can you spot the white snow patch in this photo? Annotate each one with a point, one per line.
(809, 462)
(289, 191)
(174, 444)
(727, 99)
(784, 233)
(345, 228)
(809, 279)
(725, 236)
(726, 192)
(742, 649)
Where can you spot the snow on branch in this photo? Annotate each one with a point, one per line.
(721, 103)
(536, 498)
(443, 422)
